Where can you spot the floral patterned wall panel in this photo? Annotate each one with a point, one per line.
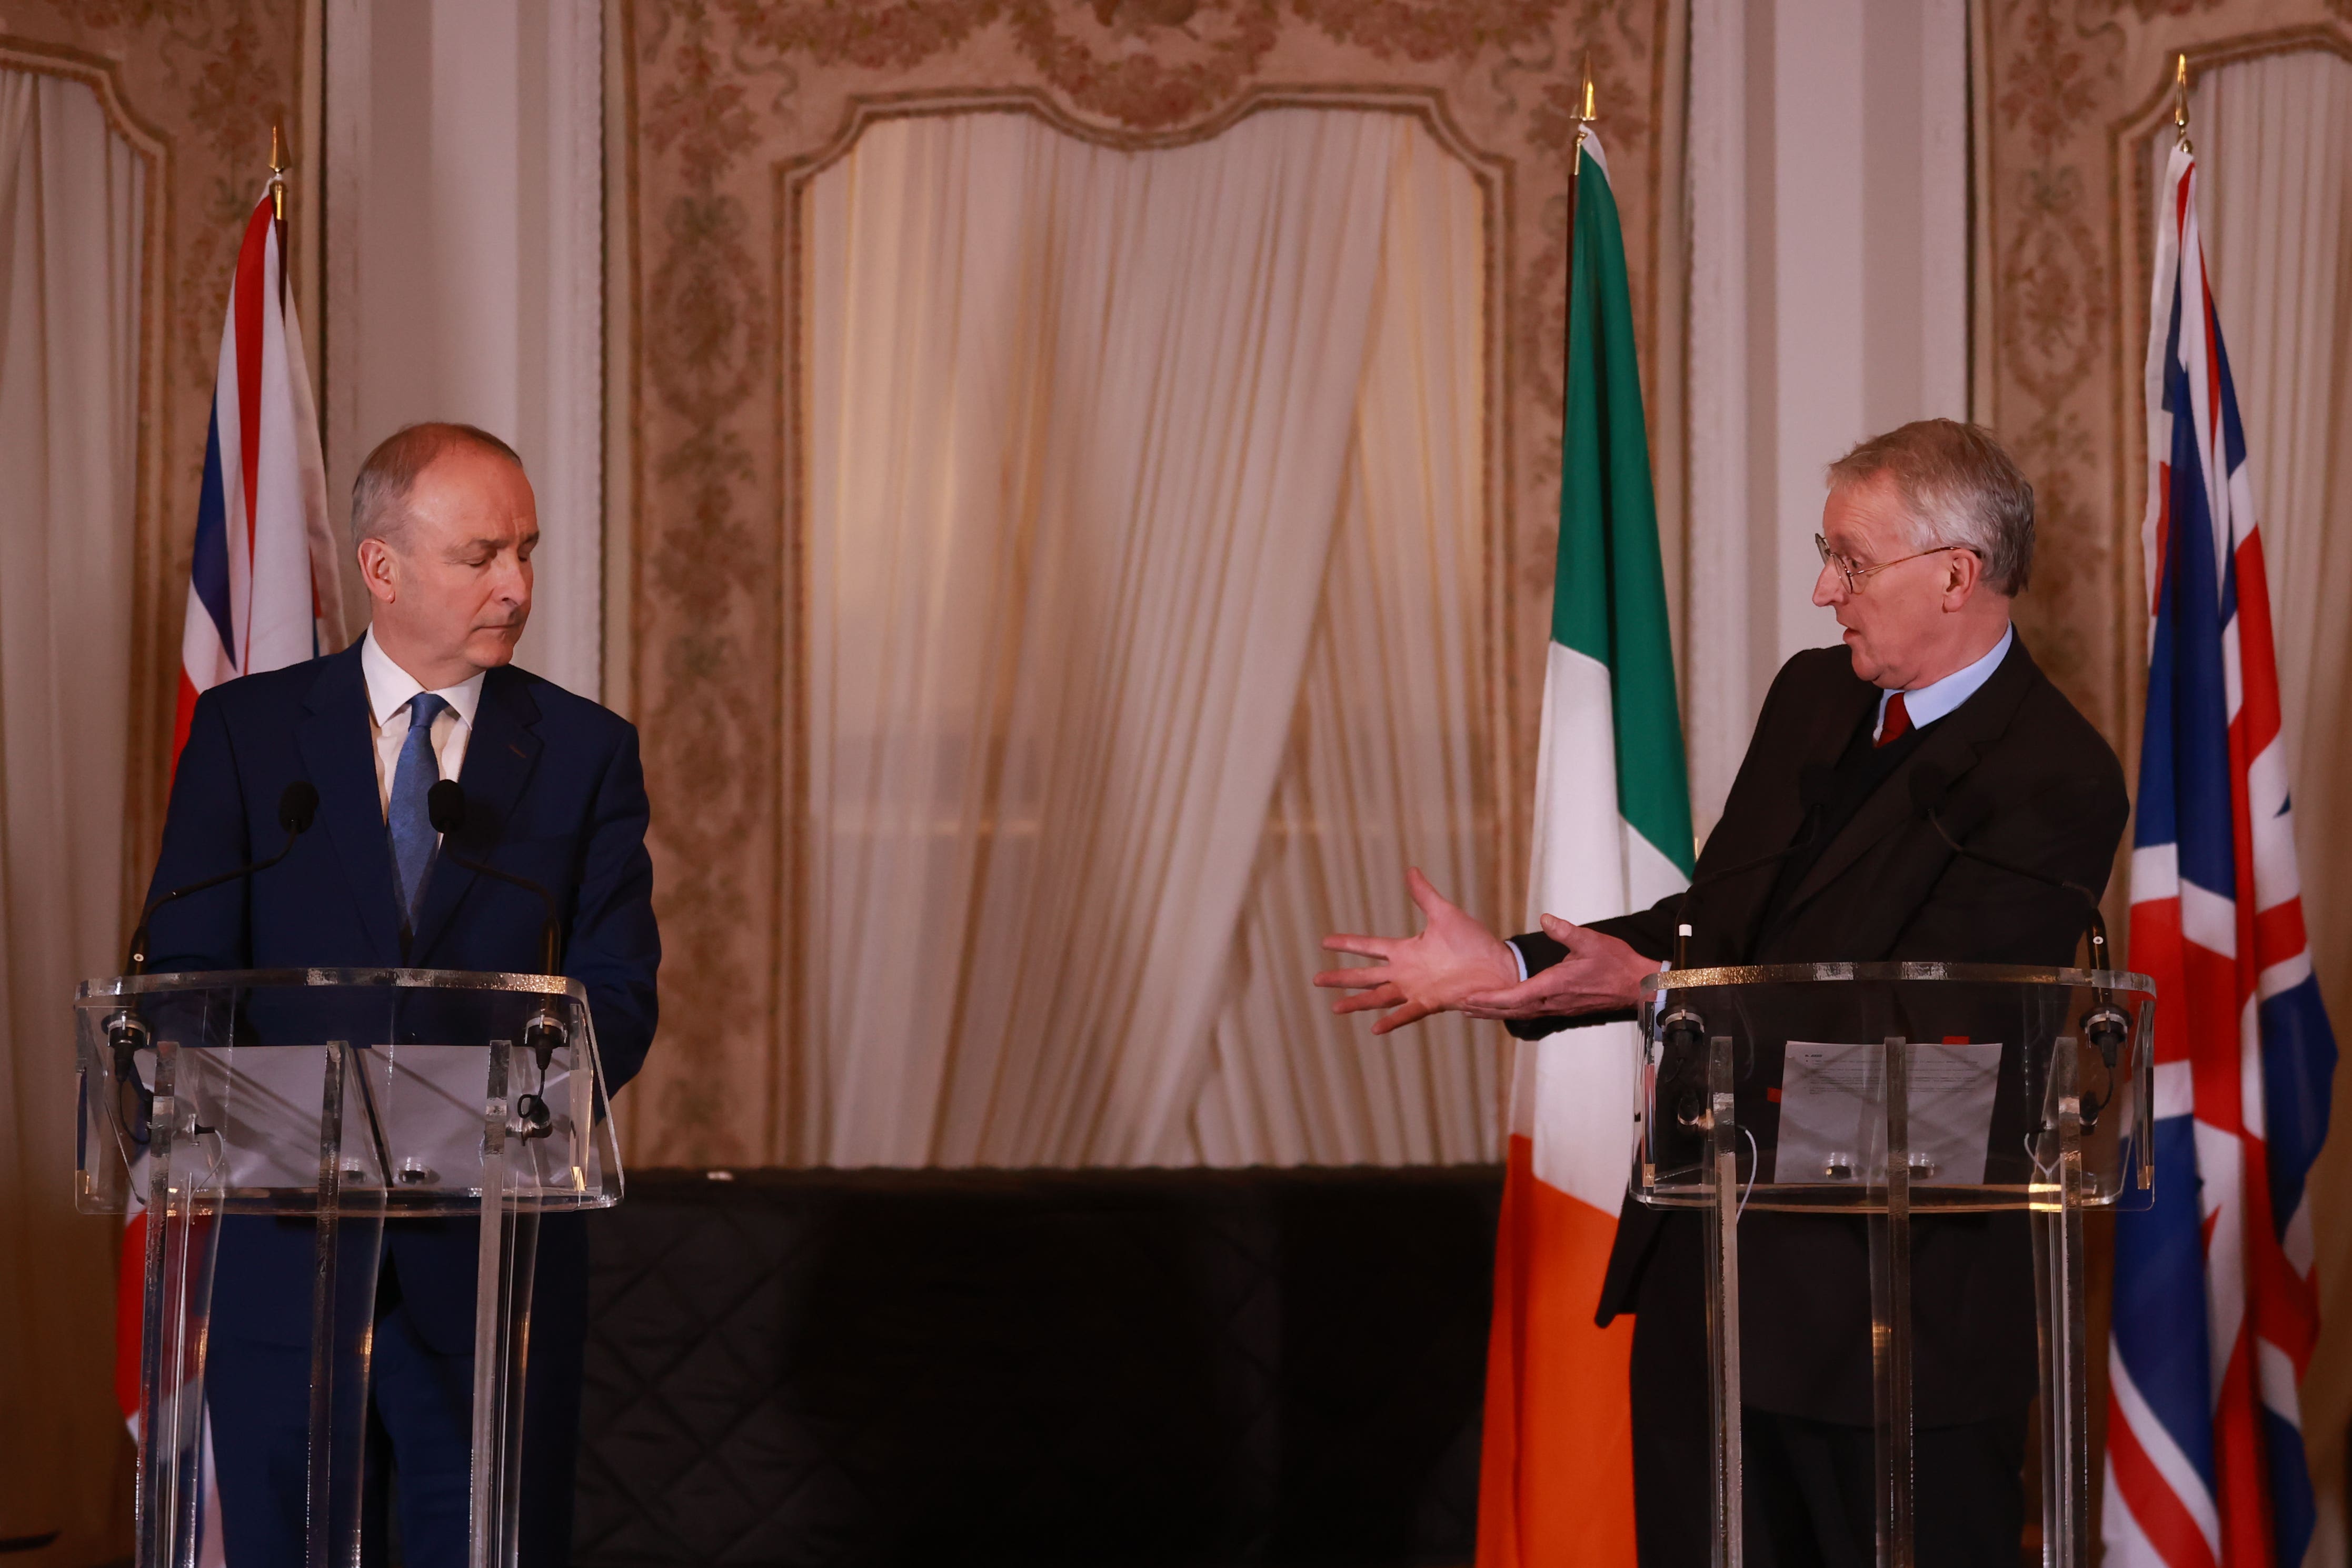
(2069, 93)
(731, 105)
(195, 85)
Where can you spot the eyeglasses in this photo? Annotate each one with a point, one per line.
(1854, 574)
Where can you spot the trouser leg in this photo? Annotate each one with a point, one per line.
(425, 1397)
(259, 1397)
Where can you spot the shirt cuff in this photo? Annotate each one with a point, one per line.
(1518, 958)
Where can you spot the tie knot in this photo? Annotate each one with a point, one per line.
(1895, 722)
(424, 707)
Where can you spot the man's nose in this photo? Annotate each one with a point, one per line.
(1829, 588)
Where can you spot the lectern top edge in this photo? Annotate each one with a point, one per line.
(110, 986)
(1983, 974)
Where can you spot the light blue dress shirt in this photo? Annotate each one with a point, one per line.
(1931, 702)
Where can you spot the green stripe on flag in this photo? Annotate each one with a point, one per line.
(1609, 598)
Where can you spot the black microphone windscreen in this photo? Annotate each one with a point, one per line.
(299, 807)
(445, 804)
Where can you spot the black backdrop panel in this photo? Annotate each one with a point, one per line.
(1103, 1369)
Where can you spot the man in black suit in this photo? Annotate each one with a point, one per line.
(1927, 535)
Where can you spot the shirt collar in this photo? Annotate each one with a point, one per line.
(1927, 704)
(390, 686)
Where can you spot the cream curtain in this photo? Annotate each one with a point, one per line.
(1084, 425)
(71, 200)
(1385, 751)
(2274, 140)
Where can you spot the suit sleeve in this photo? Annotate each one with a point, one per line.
(615, 948)
(1651, 932)
(205, 832)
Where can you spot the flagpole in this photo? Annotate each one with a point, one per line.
(1584, 117)
(2180, 102)
(277, 167)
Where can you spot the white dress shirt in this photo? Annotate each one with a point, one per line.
(389, 688)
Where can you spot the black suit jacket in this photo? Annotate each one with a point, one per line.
(2033, 783)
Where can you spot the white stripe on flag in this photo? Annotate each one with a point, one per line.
(2170, 1463)
(1573, 1093)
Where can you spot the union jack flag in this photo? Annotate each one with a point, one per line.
(2215, 1310)
(264, 576)
(264, 588)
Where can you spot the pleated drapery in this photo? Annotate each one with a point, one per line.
(1141, 553)
(2273, 137)
(72, 200)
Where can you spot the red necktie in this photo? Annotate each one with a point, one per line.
(1895, 722)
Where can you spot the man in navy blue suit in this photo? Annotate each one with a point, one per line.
(443, 522)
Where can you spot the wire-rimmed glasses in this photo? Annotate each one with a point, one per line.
(1852, 572)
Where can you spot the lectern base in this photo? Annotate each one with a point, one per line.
(1896, 1094)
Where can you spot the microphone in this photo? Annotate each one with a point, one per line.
(298, 808)
(126, 1031)
(1681, 1029)
(445, 803)
(1931, 785)
(1815, 782)
(2106, 1025)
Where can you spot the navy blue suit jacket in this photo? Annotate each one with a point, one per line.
(554, 792)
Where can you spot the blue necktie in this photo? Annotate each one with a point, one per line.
(410, 819)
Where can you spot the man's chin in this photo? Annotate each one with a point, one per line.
(488, 652)
(1865, 666)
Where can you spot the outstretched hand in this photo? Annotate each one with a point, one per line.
(1600, 974)
(1454, 958)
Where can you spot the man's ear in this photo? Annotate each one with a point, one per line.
(380, 570)
(1964, 571)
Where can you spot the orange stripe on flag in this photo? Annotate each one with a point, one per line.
(1556, 1473)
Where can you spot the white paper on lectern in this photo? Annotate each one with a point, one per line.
(1833, 1108)
(428, 1100)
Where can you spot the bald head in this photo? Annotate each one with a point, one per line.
(445, 524)
(380, 496)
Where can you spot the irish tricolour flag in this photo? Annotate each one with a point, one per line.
(1612, 833)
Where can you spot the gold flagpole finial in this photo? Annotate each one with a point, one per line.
(278, 172)
(1584, 114)
(2180, 101)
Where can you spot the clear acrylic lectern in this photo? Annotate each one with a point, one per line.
(1892, 1090)
(355, 1096)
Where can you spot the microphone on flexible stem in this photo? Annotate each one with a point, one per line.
(445, 803)
(1683, 1029)
(2106, 1025)
(1813, 786)
(298, 808)
(126, 1032)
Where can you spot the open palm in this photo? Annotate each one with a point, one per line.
(1454, 958)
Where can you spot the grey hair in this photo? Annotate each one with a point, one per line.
(380, 494)
(1960, 489)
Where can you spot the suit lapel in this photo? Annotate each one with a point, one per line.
(500, 756)
(1810, 732)
(1951, 747)
(339, 751)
